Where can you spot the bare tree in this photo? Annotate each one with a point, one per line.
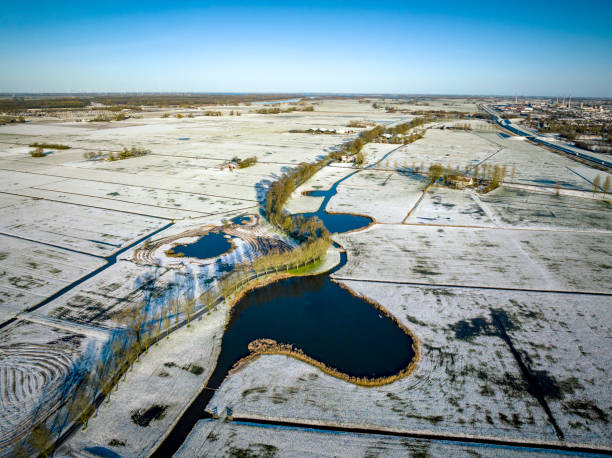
(175, 305)
(596, 182)
(208, 298)
(190, 303)
(39, 439)
(435, 172)
(135, 317)
(166, 322)
(80, 405)
(606, 185)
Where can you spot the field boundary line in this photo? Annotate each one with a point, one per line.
(498, 288)
(254, 420)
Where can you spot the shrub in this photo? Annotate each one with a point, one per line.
(11, 119)
(248, 162)
(435, 172)
(37, 152)
(126, 153)
(134, 151)
(92, 155)
(100, 118)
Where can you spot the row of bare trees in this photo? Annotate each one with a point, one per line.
(599, 187)
(95, 375)
(125, 153)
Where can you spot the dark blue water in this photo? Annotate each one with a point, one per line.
(335, 222)
(210, 245)
(322, 319)
(340, 222)
(240, 219)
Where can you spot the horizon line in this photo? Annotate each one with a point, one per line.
(5, 94)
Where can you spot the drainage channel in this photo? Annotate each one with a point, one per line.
(519, 446)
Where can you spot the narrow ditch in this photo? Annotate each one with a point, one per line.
(522, 446)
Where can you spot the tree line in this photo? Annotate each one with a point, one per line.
(126, 153)
(276, 110)
(16, 104)
(48, 145)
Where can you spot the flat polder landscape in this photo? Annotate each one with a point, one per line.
(297, 276)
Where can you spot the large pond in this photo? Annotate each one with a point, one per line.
(315, 315)
(340, 222)
(322, 319)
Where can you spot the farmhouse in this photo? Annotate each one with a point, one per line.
(459, 181)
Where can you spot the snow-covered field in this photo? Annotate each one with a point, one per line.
(492, 285)
(467, 382)
(487, 283)
(363, 193)
(495, 258)
(64, 216)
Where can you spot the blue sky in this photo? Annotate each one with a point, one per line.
(458, 47)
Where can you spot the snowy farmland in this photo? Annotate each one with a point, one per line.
(507, 292)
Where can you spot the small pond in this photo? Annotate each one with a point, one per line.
(208, 246)
(335, 222)
(241, 219)
(340, 222)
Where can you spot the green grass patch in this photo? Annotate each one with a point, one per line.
(308, 268)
